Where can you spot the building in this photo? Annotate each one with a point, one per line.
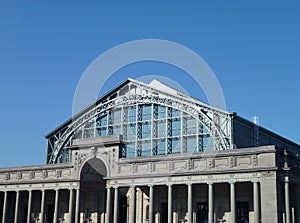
(148, 153)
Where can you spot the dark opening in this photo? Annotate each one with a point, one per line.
(202, 212)
(123, 209)
(242, 212)
(164, 212)
(50, 213)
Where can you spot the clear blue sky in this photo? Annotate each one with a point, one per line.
(45, 46)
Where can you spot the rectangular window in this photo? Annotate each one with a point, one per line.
(176, 127)
(191, 144)
(161, 129)
(146, 130)
(191, 126)
(131, 114)
(175, 113)
(116, 130)
(161, 147)
(176, 146)
(208, 143)
(130, 150)
(131, 132)
(146, 148)
(161, 112)
(116, 116)
(146, 112)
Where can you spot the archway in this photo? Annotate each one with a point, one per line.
(93, 190)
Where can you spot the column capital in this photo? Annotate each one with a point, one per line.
(169, 184)
(133, 186)
(232, 182)
(255, 181)
(209, 183)
(189, 184)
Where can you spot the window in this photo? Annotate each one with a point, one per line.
(191, 126)
(131, 132)
(161, 129)
(191, 144)
(146, 112)
(176, 147)
(146, 148)
(130, 150)
(116, 116)
(176, 127)
(161, 112)
(146, 130)
(161, 147)
(131, 114)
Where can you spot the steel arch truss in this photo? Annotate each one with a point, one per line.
(217, 122)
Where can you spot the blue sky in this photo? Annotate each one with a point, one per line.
(45, 46)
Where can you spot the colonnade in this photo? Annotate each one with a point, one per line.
(113, 205)
(41, 217)
(190, 188)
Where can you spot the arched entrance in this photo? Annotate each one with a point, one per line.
(93, 187)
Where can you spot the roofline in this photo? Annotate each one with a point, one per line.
(68, 121)
(128, 80)
(288, 141)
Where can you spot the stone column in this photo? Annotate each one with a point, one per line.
(17, 206)
(190, 203)
(287, 200)
(71, 206)
(77, 210)
(151, 204)
(43, 206)
(116, 206)
(210, 203)
(4, 207)
(132, 204)
(256, 202)
(170, 200)
(108, 205)
(29, 206)
(232, 203)
(56, 204)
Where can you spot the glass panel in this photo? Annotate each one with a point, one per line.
(130, 150)
(146, 112)
(208, 144)
(161, 129)
(116, 115)
(102, 121)
(131, 114)
(131, 132)
(176, 127)
(146, 130)
(161, 112)
(175, 113)
(191, 144)
(161, 150)
(116, 130)
(176, 147)
(146, 148)
(191, 126)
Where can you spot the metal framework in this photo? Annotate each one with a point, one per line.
(210, 121)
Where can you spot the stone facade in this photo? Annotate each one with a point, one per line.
(100, 184)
